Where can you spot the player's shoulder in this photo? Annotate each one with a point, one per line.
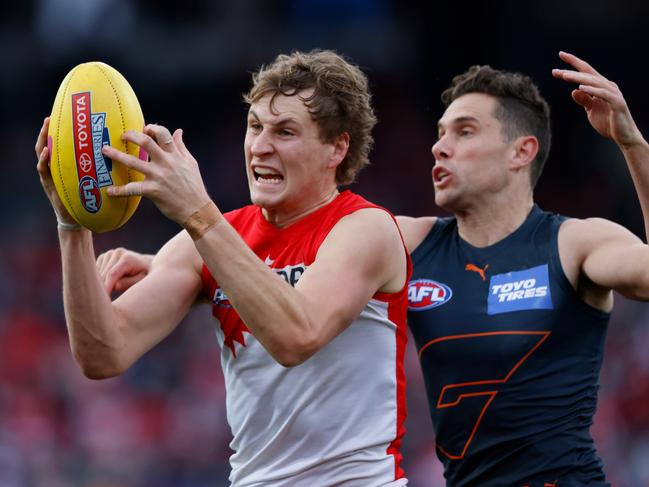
(594, 229)
(580, 236)
(369, 239)
(415, 229)
(369, 222)
(371, 229)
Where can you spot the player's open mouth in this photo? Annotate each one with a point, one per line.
(266, 175)
(440, 174)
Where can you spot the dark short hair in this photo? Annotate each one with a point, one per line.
(520, 108)
(340, 102)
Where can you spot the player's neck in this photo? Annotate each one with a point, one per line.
(285, 218)
(489, 222)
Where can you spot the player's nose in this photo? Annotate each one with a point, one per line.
(441, 149)
(262, 144)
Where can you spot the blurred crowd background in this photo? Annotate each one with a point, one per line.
(163, 423)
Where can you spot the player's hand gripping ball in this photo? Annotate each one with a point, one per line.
(94, 106)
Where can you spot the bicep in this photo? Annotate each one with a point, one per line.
(614, 258)
(152, 308)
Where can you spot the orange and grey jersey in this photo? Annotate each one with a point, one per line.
(511, 358)
(336, 419)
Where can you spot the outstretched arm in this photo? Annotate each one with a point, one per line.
(106, 338)
(609, 114)
(599, 255)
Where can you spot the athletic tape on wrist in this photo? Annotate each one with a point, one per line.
(202, 220)
(63, 225)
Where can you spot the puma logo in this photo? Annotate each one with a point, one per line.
(475, 268)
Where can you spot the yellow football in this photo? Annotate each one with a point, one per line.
(94, 106)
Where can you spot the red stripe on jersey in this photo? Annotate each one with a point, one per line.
(395, 315)
(396, 310)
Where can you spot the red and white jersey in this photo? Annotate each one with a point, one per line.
(336, 419)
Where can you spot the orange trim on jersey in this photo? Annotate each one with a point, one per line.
(487, 333)
(492, 394)
(475, 426)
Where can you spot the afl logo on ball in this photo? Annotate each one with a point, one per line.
(90, 194)
(426, 294)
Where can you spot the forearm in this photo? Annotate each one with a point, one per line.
(272, 310)
(90, 318)
(637, 157)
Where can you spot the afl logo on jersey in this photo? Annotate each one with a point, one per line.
(426, 294)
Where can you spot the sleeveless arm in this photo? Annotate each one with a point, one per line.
(106, 338)
(361, 255)
(609, 115)
(599, 253)
(606, 254)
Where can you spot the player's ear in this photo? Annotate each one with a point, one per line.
(339, 148)
(524, 151)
